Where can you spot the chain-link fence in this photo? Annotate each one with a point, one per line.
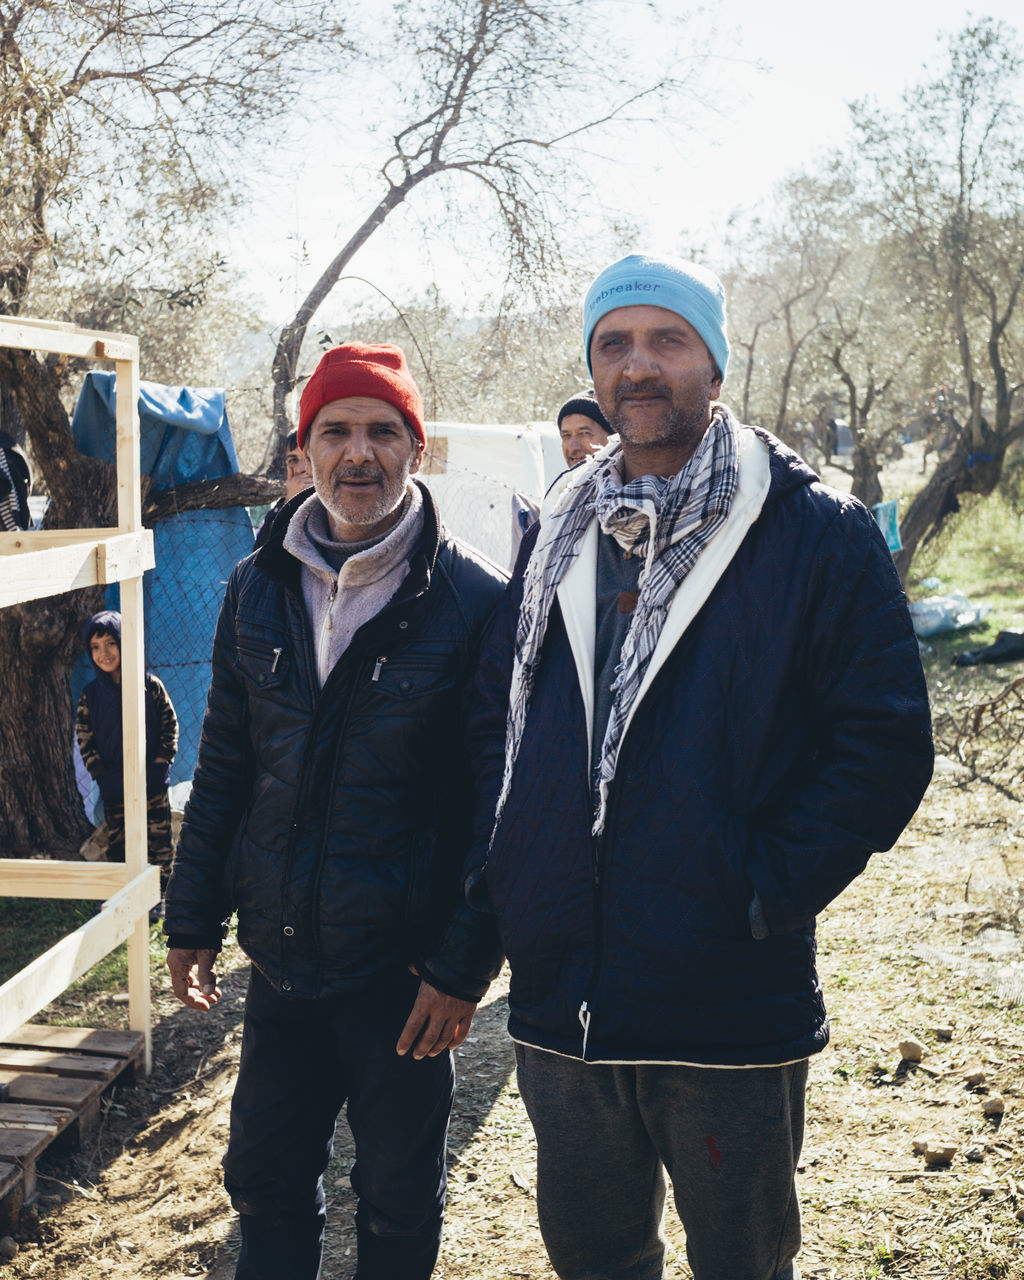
(195, 553)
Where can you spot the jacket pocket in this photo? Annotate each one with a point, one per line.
(264, 666)
(414, 676)
(735, 891)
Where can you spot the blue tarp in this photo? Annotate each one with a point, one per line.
(887, 514)
(185, 437)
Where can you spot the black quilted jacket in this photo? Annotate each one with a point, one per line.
(785, 739)
(335, 820)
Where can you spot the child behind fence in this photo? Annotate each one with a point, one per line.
(98, 725)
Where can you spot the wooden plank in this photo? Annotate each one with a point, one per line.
(36, 878)
(20, 1115)
(23, 1146)
(12, 1195)
(43, 539)
(46, 977)
(49, 335)
(31, 575)
(113, 1044)
(128, 555)
(84, 1065)
(36, 1089)
(129, 443)
(79, 1096)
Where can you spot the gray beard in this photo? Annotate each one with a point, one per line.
(389, 501)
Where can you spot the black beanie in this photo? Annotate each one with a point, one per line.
(588, 407)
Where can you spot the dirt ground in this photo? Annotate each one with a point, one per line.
(926, 945)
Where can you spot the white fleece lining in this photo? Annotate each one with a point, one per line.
(577, 597)
(660, 1062)
(578, 589)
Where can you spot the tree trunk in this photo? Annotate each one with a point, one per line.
(40, 807)
(285, 367)
(940, 497)
(866, 484)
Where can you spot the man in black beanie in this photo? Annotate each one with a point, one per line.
(583, 428)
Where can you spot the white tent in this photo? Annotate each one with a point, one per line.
(478, 473)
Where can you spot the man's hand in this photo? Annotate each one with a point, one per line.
(437, 1022)
(192, 977)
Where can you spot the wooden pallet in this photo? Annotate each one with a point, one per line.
(51, 1082)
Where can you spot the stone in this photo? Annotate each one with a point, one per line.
(987, 1190)
(940, 1155)
(994, 1106)
(8, 1249)
(975, 1078)
(944, 1032)
(925, 1141)
(911, 1050)
(974, 1154)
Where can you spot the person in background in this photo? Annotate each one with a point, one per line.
(699, 711)
(297, 475)
(583, 428)
(100, 734)
(15, 486)
(331, 808)
(297, 479)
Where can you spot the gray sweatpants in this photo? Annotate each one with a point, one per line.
(729, 1139)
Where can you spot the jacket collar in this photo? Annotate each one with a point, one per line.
(273, 560)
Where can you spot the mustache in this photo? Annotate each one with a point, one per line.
(649, 388)
(357, 473)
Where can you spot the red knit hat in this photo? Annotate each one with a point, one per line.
(362, 369)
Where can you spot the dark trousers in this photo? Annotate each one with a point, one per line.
(729, 1139)
(301, 1062)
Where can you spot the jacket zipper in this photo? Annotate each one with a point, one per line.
(303, 784)
(328, 625)
(599, 846)
(322, 852)
(586, 1012)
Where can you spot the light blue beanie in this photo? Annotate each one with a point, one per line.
(640, 279)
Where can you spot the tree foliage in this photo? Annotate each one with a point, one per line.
(946, 181)
(117, 123)
(495, 96)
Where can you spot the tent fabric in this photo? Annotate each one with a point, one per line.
(185, 437)
(185, 434)
(475, 469)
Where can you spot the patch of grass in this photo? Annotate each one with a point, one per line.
(981, 553)
(30, 926)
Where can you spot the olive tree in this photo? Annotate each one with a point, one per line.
(944, 178)
(116, 123)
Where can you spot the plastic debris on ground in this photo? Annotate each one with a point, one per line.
(952, 612)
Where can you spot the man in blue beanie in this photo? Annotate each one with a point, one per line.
(700, 710)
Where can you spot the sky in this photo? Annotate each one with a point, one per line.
(785, 74)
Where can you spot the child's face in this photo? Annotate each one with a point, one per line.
(106, 653)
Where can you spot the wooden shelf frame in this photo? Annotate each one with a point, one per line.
(40, 563)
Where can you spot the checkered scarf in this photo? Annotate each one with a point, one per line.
(668, 520)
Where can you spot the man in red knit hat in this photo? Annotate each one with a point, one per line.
(330, 809)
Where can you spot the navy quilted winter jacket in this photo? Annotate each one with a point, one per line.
(785, 739)
(335, 820)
